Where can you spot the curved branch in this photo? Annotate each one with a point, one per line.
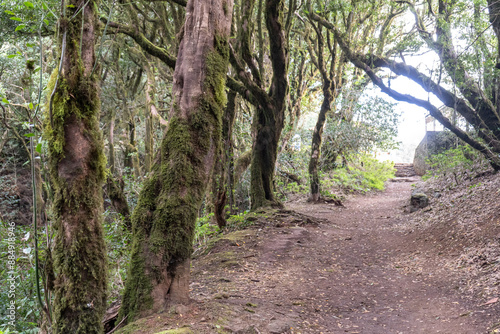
(258, 94)
(434, 112)
(478, 117)
(144, 43)
(239, 88)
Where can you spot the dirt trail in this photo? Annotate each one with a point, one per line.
(352, 273)
(370, 292)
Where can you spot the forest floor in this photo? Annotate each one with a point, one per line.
(368, 267)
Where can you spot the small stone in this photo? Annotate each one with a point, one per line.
(181, 309)
(279, 326)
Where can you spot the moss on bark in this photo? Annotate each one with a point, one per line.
(164, 220)
(77, 169)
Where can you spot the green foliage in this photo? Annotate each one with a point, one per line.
(239, 221)
(117, 241)
(456, 164)
(27, 309)
(363, 174)
(204, 230)
(370, 124)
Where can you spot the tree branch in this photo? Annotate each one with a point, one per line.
(143, 42)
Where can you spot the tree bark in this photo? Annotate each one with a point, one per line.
(150, 106)
(119, 202)
(164, 220)
(221, 170)
(77, 167)
(328, 86)
(269, 114)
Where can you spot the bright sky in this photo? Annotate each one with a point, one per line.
(411, 129)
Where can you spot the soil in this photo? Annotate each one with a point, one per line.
(321, 268)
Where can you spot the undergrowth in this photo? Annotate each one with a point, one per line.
(456, 165)
(18, 282)
(364, 173)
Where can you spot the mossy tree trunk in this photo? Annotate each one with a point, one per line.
(222, 181)
(111, 142)
(164, 220)
(269, 115)
(131, 158)
(150, 105)
(77, 169)
(269, 105)
(329, 83)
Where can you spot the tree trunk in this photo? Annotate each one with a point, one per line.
(316, 146)
(148, 141)
(222, 165)
(131, 159)
(269, 114)
(111, 142)
(119, 202)
(77, 166)
(327, 70)
(264, 154)
(165, 217)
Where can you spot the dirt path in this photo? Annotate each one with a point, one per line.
(355, 272)
(371, 289)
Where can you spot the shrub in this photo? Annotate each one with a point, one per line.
(363, 174)
(456, 164)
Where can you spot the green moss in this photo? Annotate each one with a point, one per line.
(183, 330)
(134, 327)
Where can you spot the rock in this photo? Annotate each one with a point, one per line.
(180, 309)
(434, 142)
(418, 200)
(279, 326)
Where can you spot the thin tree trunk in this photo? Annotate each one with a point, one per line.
(111, 142)
(150, 106)
(316, 146)
(329, 83)
(131, 159)
(77, 167)
(165, 217)
(222, 165)
(4, 139)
